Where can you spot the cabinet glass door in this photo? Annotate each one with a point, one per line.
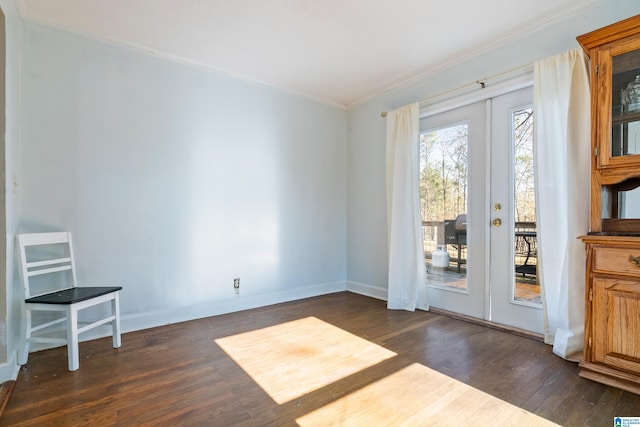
(625, 104)
(617, 146)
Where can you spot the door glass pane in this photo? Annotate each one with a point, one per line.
(443, 198)
(526, 286)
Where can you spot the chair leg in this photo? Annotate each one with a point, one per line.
(72, 339)
(115, 323)
(23, 349)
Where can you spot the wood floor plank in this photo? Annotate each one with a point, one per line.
(180, 375)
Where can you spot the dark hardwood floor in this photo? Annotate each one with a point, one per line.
(180, 375)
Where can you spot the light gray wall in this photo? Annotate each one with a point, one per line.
(175, 180)
(13, 296)
(366, 225)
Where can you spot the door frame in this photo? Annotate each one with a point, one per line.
(485, 94)
(430, 109)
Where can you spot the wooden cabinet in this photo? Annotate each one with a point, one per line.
(612, 315)
(612, 329)
(615, 119)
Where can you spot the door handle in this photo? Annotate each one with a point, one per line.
(497, 222)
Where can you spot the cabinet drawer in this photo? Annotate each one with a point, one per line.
(619, 260)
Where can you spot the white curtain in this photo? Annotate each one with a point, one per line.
(562, 161)
(407, 287)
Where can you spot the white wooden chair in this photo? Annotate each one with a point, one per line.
(50, 255)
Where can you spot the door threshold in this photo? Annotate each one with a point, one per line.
(488, 324)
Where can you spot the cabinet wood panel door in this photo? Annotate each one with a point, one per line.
(616, 311)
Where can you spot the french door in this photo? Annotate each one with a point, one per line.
(452, 156)
(478, 210)
(514, 293)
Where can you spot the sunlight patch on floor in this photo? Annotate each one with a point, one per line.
(416, 396)
(295, 358)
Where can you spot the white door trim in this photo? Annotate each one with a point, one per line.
(488, 92)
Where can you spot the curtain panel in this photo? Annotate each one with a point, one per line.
(562, 171)
(406, 286)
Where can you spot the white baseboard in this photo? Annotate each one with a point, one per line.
(136, 322)
(9, 370)
(367, 290)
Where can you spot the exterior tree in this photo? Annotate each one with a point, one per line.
(444, 170)
(443, 173)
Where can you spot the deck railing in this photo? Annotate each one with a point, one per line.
(433, 235)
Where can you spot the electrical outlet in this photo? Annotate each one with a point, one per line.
(236, 284)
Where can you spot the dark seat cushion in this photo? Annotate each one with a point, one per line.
(73, 295)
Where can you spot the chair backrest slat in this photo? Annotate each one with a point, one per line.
(34, 239)
(53, 261)
(48, 270)
(35, 264)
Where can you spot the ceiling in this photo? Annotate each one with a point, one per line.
(336, 51)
